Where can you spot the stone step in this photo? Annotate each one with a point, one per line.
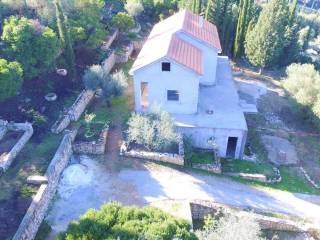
(37, 180)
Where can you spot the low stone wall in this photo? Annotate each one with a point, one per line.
(109, 62)
(3, 128)
(94, 147)
(306, 175)
(249, 176)
(80, 104)
(114, 58)
(202, 208)
(7, 159)
(258, 177)
(177, 159)
(61, 124)
(138, 44)
(74, 111)
(36, 212)
(214, 168)
(106, 45)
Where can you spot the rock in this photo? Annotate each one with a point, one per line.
(37, 180)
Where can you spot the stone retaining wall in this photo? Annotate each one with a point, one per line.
(177, 159)
(306, 175)
(94, 147)
(110, 40)
(7, 159)
(202, 208)
(80, 104)
(36, 212)
(74, 112)
(214, 168)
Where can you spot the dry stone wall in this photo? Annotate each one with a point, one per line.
(94, 147)
(202, 208)
(74, 112)
(36, 212)
(177, 159)
(7, 159)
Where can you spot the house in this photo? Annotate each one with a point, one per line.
(179, 69)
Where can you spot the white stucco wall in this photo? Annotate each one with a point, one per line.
(200, 137)
(179, 78)
(209, 55)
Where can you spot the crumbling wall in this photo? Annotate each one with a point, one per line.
(7, 159)
(36, 212)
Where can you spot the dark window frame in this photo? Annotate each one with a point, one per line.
(166, 66)
(173, 95)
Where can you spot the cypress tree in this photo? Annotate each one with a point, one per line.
(65, 38)
(266, 41)
(242, 26)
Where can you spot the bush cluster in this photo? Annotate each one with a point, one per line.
(303, 84)
(155, 131)
(115, 222)
(10, 78)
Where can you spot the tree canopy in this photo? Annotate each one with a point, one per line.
(265, 42)
(10, 78)
(35, 46)
(115, 222)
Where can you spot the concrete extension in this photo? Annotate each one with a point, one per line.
(219, 114)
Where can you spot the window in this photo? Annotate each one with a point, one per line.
(172, 95)
(166, 67)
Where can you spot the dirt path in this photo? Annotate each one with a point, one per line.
(113, 145)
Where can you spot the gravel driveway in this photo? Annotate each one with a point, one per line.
(89, 184)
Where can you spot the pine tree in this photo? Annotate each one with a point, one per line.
(65, 39)
(242, 26)
(266, 41)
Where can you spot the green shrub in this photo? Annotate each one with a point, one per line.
(35, 46)
(123, 21)
(134, 8)
(229, 226)
(154, 130)
(96, 77)
(114, 222)
(10, 78)
(303, 83)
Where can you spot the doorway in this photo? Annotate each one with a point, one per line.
(144, 96)
(231, 147)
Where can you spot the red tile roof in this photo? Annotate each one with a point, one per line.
(201, 29)
(185, 54)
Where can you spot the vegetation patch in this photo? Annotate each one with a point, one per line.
(113, 221)
(242, 166)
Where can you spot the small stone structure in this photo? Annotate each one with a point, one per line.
(36, 212)
(214, 167)
(249, 176)
(74, 111)
(280, 150)
(94, 147)
(258, 177)
(177, 159)
(7, 159)
(202, 208)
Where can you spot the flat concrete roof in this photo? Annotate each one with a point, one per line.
(222, 99)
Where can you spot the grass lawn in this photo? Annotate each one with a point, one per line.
(290, 183)
(235, 166)
(201, 157)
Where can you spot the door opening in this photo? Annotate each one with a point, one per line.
(144, 96)
(231, 147)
